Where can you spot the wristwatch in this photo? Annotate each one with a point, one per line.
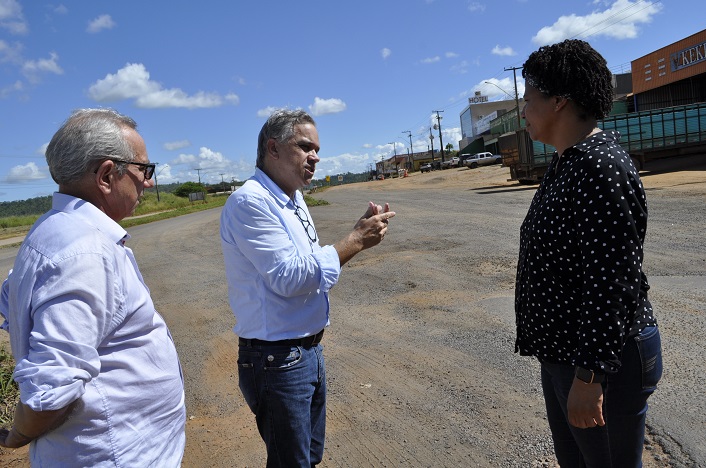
(588, 376)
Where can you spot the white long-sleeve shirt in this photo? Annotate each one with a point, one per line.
(278, 277)
(83, 327)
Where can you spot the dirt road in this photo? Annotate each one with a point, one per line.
(420, 362)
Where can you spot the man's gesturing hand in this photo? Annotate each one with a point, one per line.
(367, 232)
(372, 226)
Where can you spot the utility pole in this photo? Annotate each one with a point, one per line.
(223, 184)
(431, 139)
(411, 149)
(441, 140)
(156, 173)
(394, 147)
(199, 172)
(517, 99)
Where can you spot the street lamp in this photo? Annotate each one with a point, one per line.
(156, 186)
(491, 83)
(517, 101)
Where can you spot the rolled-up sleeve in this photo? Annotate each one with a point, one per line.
(330, 264)
(73, 308)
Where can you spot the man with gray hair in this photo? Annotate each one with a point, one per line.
(99, 377)
(278, 282)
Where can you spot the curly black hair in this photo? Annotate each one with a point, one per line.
(574, 70)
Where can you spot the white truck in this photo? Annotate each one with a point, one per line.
(483, 159)
(449, 163)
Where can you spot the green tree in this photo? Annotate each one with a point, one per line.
(189, 187)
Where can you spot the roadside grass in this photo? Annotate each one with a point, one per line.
(9, 392)
(149, 210)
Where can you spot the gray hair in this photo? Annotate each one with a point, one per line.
(280, 126)
(88, 136)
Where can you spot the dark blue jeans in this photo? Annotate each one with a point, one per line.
(619, 443)
(285, 387)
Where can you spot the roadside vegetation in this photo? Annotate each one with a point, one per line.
(9, 393)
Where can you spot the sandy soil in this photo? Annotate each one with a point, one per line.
(420, 362)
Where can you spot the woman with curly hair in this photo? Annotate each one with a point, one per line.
(581, 294)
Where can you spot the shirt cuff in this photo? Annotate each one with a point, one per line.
(330, 265)
(60, 386)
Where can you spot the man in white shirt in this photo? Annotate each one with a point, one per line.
(99, 377)
(278, 283)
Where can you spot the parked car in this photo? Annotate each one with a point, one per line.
(426, 167)
(462, 159)
(483, 159)
(449, 163)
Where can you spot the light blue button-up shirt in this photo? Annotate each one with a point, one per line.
(278, 278)
(83, 327)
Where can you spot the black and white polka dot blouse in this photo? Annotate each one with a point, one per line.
(580, 289)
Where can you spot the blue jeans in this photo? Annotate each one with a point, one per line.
(619, 443)
(285, 387)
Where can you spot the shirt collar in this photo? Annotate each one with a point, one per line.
(269, 185)
(597, 139)
(91, 214)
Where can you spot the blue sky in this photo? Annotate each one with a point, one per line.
(201, 77)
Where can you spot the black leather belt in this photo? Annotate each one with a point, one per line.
(306, 342)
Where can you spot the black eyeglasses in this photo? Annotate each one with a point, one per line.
(147, 168)
(308, 227)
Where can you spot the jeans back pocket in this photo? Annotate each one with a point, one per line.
(649, 345)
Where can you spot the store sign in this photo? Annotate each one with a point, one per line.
(483, 124)
(688, 57)
(477, 99)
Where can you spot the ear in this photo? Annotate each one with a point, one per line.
(105, 176)
(272, 148)
(560, 102)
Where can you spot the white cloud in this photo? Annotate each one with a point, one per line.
(13, 88)
(184, 159)
(266, 112)
(26, 173)
(367, 145)
(212, 167)
(43, 149)
(10, 52)
(326, 106)
(451, 55)
(475, 6)
(461, 67)
(61, 9)
(347, 162)
(133, 82)
(175, 97)
(101, 23)
(11, 17)
(504, 51)
(434, 59)
(32, 69)
(385, 53)
(619, 21)
(500, 89)
(175, 145)
(232, 98)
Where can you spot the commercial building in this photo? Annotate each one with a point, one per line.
(476, 119)
(674, 75)
(659, 109)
